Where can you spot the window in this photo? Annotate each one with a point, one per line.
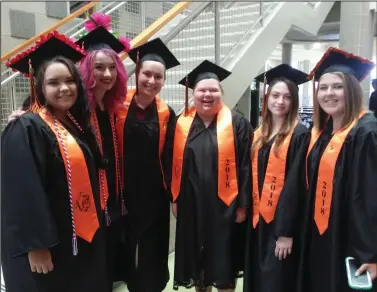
(133, 7)
(149, 21)
(76, 5)
(131, 35)
(115, 19)
(166, 6)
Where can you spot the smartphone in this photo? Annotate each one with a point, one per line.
(362, 282)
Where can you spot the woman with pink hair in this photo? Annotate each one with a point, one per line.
(105, 79)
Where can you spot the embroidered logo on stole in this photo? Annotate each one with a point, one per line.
(84, 217)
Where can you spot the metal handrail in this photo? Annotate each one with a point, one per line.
(61, 22)
(82, 22)
(247, 33)
(67, 32)
(10, 78)
(176, 30)
(237, 45)
(107, 12)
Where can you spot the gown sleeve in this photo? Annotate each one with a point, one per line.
(294, 189)
(27, 220)
(373, 101)
(244, 134)
(362, 186)
(167, 157)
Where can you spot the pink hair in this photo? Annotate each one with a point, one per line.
(113, 98)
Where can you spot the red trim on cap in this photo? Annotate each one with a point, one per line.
(345, 53)
(42, 40)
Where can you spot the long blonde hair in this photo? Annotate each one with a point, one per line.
(353, 97)
(266, 125)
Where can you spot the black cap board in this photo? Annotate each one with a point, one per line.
(336, 60)
(205, 70)
(48, 47)
(284, 70)
(100, 38)
(154, 50)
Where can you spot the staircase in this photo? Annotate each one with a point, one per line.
(250, 34)
(241, 36)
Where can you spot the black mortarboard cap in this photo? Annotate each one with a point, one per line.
(49, 46)
(284, 70)
(205, 70)
(336, 60)
(100, 38)
(154, 50)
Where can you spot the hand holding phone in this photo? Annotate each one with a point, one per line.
(361, 282)
(371, 268)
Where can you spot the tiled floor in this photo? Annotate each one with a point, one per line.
(169, 287)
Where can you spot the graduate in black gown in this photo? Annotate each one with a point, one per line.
(279, 188)
(211, 185)
(373, 98)
(52, 238)
(144, 130)
(341, 215)
(105, 79)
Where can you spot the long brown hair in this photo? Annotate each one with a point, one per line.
(353, 97)
(266, 126)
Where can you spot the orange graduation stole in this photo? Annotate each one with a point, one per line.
(227, 172)
(326, 171)
(273, 181)
(83, 209)
(163, 119)
(104, 191)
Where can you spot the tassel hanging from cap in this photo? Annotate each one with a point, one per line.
(186, 97)
(137, 71)
(264, 107)
(314, 91)
(34, 103)
(313, 82)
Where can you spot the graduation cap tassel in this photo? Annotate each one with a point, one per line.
(264, 86)
(137, 71)
(186, 97)
(75, 249)
(34, 103)
(313, 80)
(264, 93)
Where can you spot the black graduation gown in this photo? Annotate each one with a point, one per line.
(373, 102)
(207, 237)
(115, 232)
(264, 272)
(352, 229)
(36, 213)
(147, 202)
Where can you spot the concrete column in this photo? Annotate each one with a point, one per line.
(286, 55)
(305, 87)
(356, 34)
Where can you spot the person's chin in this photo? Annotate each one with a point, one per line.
(149, 92)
